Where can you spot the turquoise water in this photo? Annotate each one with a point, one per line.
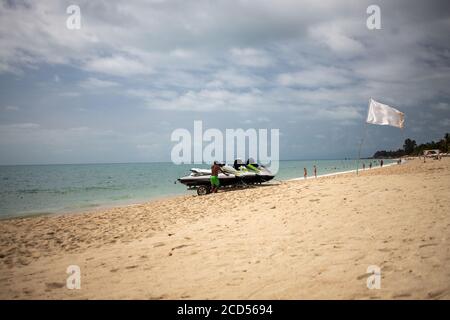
(40, 189)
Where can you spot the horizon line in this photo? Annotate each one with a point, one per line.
(148, 162)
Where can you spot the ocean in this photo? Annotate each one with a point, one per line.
(43, 189)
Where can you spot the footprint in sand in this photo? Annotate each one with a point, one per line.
(363, 276)
(28, 291)
(401, 295)
(55, 285)
(159, 244)
(131, 267)
(387, 268)
(180, 246)
(427, 245)
(436, 293)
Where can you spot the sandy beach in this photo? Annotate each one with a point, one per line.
(304, 239)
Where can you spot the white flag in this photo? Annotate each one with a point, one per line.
(384, 115)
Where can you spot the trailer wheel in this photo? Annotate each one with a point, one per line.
(202, 190)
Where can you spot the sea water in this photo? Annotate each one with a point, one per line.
(41, 189)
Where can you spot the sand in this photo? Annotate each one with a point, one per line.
(305, 239)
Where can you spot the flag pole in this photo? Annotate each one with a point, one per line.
(360, 147)
(403, 135)
(361, 143)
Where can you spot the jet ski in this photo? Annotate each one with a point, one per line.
(240, 174)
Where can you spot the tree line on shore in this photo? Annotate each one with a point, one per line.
(411, 148)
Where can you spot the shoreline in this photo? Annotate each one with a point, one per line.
(101, 208)
(341, 172)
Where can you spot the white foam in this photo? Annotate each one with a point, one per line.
(341, 172)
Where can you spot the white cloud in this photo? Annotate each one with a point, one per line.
(152, 94)
(39, 36)
(445, 123)
(208, 100)
(340, 113)
(336, 38)
(181, 53)
(94, 83)
(250, 57)
(19, 126)
(12, 108)
(263, 119)
(442, 106)
(118, 66)
(231, 78)
(318, 76)
(69, 94)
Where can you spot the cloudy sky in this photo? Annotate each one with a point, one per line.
(114, 90)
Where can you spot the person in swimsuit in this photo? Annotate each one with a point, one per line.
(215, 170)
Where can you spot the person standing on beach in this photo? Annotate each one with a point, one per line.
(305, 173)
(215, 183)
(364, 166)
(315, 171)
(381, 163)
(370, 165)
